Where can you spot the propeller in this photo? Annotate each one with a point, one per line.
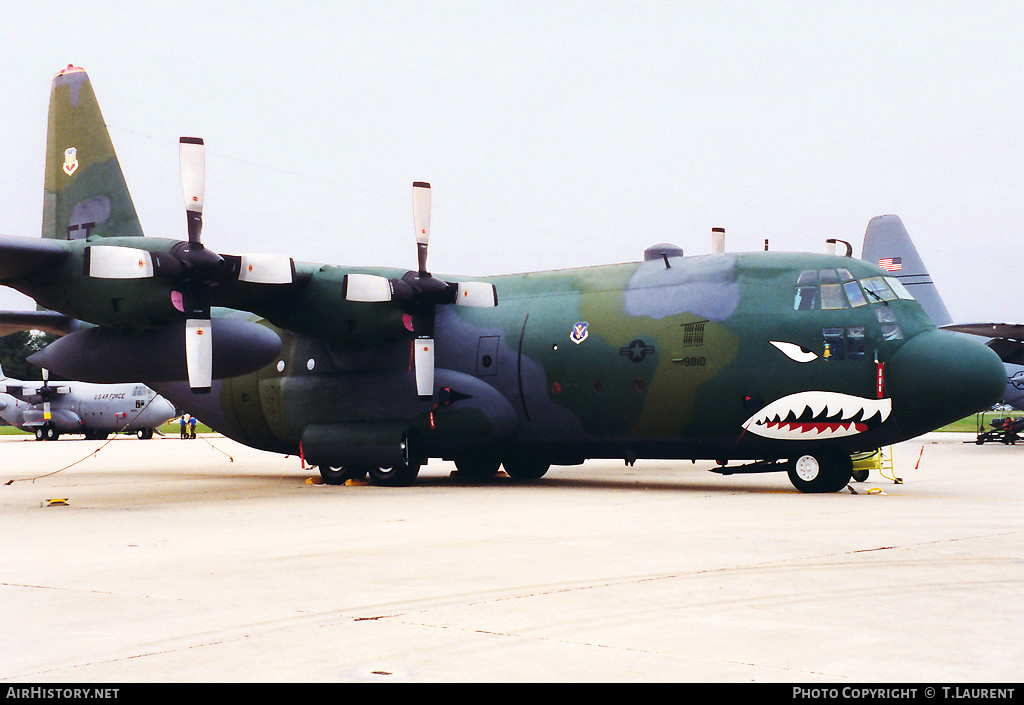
(46, 392)
(197, 260)
(420, 292)
(193, 268)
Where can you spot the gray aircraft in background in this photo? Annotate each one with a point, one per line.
(887, 244)
(94, 410)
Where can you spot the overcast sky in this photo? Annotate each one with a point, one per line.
(554, 133)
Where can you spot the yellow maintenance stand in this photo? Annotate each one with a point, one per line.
(879, 460)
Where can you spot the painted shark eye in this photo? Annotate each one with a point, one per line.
(794, 351)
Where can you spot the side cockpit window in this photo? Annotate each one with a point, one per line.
(899, 289)
(843, 343)
(806, 291)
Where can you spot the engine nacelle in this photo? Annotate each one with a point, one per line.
(107, 356)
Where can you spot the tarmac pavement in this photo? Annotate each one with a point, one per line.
(205, 561)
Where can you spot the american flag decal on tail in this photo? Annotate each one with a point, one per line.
(891, 264)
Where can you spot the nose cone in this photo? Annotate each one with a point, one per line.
(166, 409)
(938, 377)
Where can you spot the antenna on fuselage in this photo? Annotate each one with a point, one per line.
(831, 247)
(717, 240)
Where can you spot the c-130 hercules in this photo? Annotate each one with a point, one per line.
(793, 361)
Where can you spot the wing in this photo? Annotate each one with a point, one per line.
(24, 256)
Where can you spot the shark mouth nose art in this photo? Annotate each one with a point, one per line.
(815, 415)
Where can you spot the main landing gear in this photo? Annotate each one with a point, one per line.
(396, 476)
(47, 432)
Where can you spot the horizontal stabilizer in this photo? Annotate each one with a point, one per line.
(1012, 331)
(46, 321)
(1007, 339)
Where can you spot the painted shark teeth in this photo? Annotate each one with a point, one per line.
(817, 415)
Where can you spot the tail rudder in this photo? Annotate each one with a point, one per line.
(888, 245)
(84, 190)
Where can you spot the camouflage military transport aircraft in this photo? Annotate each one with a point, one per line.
(790, 361)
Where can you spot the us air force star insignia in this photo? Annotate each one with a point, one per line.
(70, 160)
(637, 350)
(1017, 380)
(579, 332)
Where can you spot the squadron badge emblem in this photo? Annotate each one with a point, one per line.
(579, 332)
(70, 160)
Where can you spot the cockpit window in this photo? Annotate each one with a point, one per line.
(897, 286)
(806, 298)
(837, 289)
(877, 290)
(854, 293)
(808, 276)
(832, 296)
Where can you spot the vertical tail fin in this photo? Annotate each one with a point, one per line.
(887, 244)
(84, 190)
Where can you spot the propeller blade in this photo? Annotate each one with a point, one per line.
(476, 294)
(421, 220)
(266, 269)
(423, 359)
(199, 354)
(192, 156)
(367, 288)
(112, 262)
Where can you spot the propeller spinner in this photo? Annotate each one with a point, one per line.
(420, 292)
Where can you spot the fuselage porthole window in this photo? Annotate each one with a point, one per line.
(855, 343)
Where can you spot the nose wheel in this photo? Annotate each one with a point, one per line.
(821, 471)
